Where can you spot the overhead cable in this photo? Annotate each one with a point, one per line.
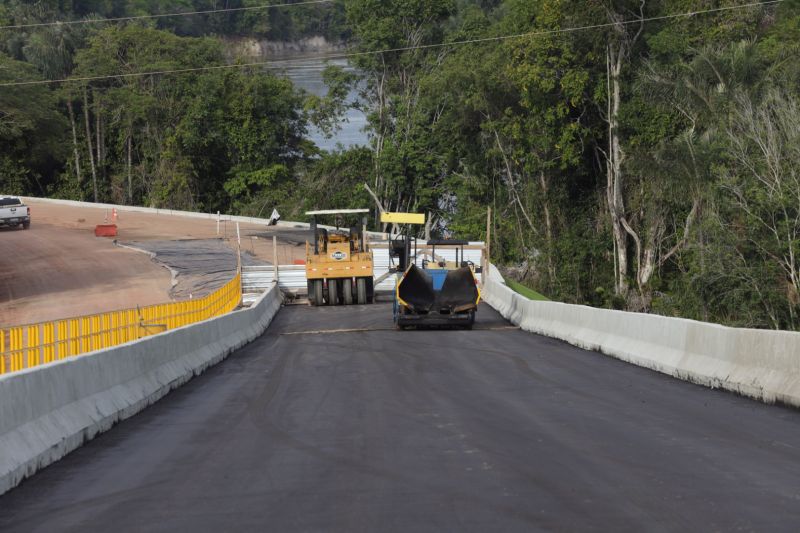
(347, 55)
(161, 15)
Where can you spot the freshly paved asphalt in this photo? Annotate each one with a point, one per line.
(489, 430)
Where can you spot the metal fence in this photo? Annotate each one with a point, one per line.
(35, 344)
(292, 278)
(383, 262)
(257, 279)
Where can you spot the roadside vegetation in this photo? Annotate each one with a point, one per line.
(527, 292)
(648, 163)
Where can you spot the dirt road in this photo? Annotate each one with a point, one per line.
(58, 268)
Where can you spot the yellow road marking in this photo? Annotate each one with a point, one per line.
(363, 330)
(323, 331)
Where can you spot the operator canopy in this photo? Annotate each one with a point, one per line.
(336, 212)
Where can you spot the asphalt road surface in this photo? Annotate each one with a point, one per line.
(487, 430)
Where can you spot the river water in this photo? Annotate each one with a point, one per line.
(306, 74)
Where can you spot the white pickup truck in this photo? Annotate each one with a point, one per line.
(14, 213)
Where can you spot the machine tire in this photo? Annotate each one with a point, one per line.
(317, 292)
(26, 225)
(361, 290)
(370, 281)
(333, 292)
(347, 292)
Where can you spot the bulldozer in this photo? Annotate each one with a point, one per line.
(339, 265)
(438, 293)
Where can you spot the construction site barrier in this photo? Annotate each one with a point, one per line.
(36, 344)
(48, 411)
(760, 364)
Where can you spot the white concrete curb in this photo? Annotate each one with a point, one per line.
(156, 211)
(761, 364)
(186, 214)
(48, 411)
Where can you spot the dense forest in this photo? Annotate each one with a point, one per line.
(634, 157)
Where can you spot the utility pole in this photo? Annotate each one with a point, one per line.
(487, 246)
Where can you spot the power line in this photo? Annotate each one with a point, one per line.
(163, 15)
(276, 63)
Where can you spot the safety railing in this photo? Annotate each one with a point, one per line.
(35, 344)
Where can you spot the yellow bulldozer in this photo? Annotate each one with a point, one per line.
(339, 266)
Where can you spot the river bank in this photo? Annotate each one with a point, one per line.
(262, 49)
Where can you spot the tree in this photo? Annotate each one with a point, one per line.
(405, 174)
(31, 129)
(138, 112)
(762, 182)
(244, 131)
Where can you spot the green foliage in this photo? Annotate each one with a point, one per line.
(161, 140)
(335, 181)
(247, 129)
(31, 130)
(280, 23)
(407, 167)
(326, 112)
(527, 292)
(267, 186)
(706, 125)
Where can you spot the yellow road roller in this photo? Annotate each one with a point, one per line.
(339, 266)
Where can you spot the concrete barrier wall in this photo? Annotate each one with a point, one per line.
(48, 411)
(156, 211)
(186, 214)
(762, 364)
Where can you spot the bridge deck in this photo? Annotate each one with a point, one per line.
(424, 431)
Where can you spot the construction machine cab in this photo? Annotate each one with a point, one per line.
(437, 262)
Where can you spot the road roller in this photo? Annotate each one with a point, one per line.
(339, 265)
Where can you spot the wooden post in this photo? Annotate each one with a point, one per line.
(275, 257)
(238, 250)
(217, 222)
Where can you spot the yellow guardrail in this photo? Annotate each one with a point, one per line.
(35, 344)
